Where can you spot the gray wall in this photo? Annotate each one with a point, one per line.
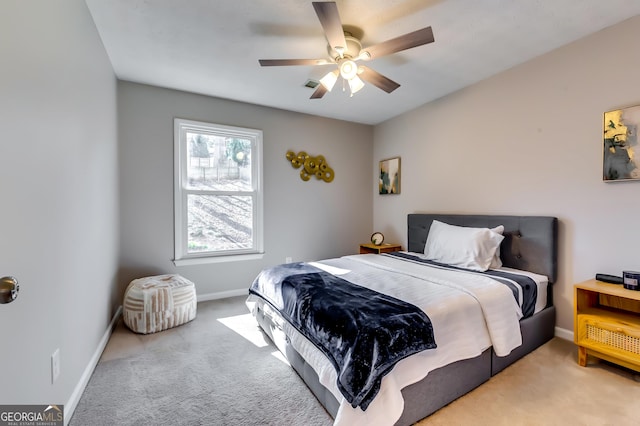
(304, 220)
(59, 191)
(528, 141)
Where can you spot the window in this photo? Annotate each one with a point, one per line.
(218, 191)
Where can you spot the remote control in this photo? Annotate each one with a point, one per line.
(613, 279)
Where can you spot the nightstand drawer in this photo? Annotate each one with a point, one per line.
(605, 332)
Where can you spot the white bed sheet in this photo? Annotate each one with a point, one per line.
(541, 281)
(469, 314)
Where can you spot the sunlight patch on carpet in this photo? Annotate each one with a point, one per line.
(281, 357)
(246, 326)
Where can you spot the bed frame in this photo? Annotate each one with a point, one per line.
(531, 244)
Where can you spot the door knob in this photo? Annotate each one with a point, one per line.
(8, 289)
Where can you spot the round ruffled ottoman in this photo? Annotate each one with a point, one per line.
(157, 303)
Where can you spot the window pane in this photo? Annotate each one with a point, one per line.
(218, 193)
(218, 163)
(217, 223)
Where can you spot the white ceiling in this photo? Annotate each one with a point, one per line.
(212, 47)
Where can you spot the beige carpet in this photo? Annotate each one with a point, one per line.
(220, 370)
(216, 370)
(548, 387)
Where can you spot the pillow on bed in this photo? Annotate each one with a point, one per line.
(496, 262)
(470, 248)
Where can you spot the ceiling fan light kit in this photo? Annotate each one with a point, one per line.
(348, 69)
(355, 84)
(344, 50)
(329, 80)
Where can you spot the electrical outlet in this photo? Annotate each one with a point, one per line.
(55, 365)
(288, 259)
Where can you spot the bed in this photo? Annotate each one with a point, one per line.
(472, 342)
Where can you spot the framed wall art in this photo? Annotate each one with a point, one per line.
(620, 148)
(389, 177)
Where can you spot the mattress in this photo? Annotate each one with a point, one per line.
(470, 313)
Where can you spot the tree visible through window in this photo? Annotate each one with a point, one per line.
(218, 199)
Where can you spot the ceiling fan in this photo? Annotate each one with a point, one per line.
(345, 49)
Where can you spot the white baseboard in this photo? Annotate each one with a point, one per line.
(72, 403)
(222, 295)
(565, 334)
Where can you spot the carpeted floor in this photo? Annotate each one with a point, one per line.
(220, 370)
(548, 387)
(201, 373)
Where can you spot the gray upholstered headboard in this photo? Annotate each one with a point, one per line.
(530, 243)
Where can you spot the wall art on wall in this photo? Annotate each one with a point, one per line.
(311, 166)
(389, 177)
(620, 160)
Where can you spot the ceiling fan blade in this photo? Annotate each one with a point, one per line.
(283, 62)
(330, 20)
(377, 79)
(404, 42)
(319, 92)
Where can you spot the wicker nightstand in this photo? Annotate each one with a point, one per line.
(607, 323)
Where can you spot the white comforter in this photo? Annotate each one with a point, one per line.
(469, 313)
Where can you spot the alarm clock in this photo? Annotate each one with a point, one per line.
(8, 289)
(377, 238)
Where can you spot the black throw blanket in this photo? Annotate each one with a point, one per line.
(362, 332)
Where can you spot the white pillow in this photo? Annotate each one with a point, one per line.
(464, 247)
(496, 262)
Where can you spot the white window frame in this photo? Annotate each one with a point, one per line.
(181, 191)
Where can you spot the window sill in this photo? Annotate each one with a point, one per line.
(217, 259)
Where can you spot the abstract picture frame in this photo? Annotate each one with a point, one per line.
(389, 176)
(620, 148)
